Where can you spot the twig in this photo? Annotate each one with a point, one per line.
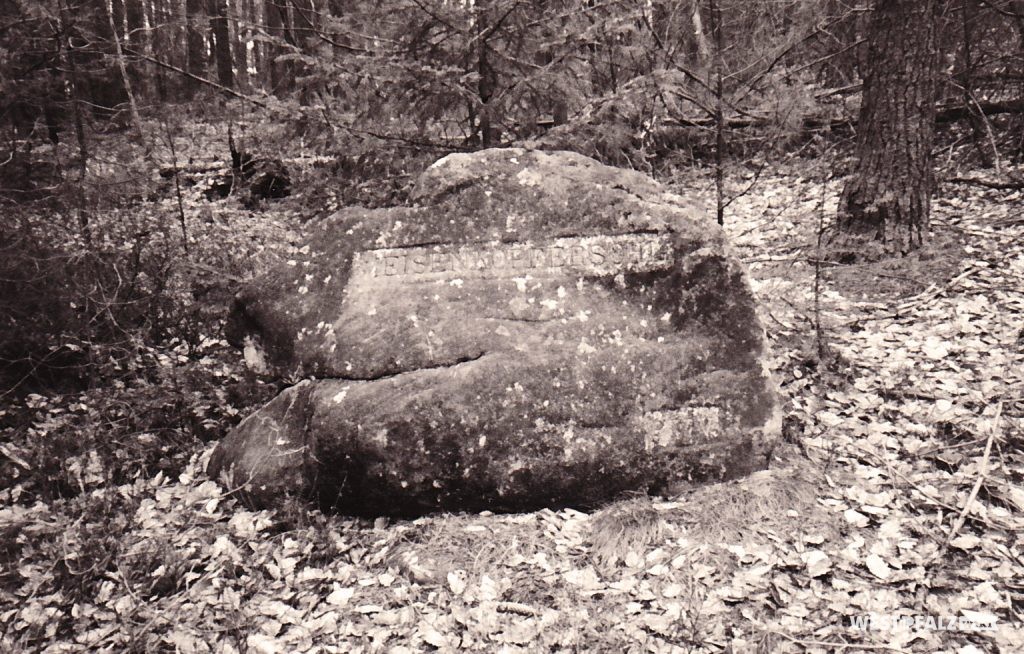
(983, 470)
(177, 188)
(925, 494)
(220, 87)
(517, 608)
(213, 271)
(832, 645)
(819, 336)
(1001, 186)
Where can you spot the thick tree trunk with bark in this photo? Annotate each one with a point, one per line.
(888, 196)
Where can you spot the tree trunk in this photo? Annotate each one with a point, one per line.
(700, 49)
(105, 90)
(195, 41)
(716, 30)
(159, 39)
(135, 38)
(72, 83)
(221, 42)
(303, 29)
(240, 32)
(887, 199)
(977, 118)
(487, 80)
(554, 100)
(257, 15)
(275, 21)
(122, 66)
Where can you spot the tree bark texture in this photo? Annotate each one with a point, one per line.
(240, 37)
(221, 42)
(888, 196)
(195, 41)
(159, 37)
(135, 38)
(276, 21)
(105, 89)
(487, 83)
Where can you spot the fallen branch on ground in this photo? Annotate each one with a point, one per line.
(987, 183)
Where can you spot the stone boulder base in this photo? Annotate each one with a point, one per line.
(538, 330)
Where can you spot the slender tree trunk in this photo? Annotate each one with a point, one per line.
(116, 9)
(195, 41)
(555, 100)
(303, 28)
(716, 30)
(888, 197)
(76, 108)
(105, 91)
(157, 19)
(275, 22)
(257, 16)
(135, 37)
(221, 42)
(700, 41)
(1018, 11)
(240, 41)
(977, 119)
(487, 81)
(126, 80)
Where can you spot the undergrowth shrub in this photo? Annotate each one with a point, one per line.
(73, 306)
(151, 421)
(66, 557)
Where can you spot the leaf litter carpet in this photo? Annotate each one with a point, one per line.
(896, 498)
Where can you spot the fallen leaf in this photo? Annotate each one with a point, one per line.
(457, 581)
(340, 596)
(432, 636)
(878, 566)
(263, 644)
(965, 542)
(585, 578)
(856, 518)
(817, 562)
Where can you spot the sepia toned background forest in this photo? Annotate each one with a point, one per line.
(450, 75)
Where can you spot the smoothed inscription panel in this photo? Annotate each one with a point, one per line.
(585, 255)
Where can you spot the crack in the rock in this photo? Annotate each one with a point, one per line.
(388, 375)
(526, 320)
(410, 246)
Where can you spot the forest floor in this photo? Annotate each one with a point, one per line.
(890, 520)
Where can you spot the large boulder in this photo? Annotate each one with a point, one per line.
(536, 330)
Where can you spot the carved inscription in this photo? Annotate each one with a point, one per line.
(587, 255)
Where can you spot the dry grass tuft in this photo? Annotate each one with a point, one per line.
(778, 500)
(473, 544)
(629, 526)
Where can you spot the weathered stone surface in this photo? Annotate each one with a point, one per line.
(539, 330)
